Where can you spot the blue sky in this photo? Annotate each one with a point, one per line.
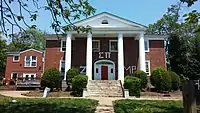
(141, 11)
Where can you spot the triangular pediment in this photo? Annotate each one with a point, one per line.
(107, 20)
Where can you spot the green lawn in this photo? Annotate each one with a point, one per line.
(144, 106)
(48, 105)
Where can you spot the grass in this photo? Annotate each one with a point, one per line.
(145, 106)
(47, 105)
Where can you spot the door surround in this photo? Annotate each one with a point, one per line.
(97, 69)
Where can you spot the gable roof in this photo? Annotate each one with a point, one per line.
(18, 53)
(109, 15)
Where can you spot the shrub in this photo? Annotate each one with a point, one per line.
(143, 76)
(175, 80)
(133, 85)
(160, 79)
(78, 83)
(71, 73)
(51, 78)
(156, 73)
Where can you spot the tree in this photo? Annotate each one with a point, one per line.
(32, 38)
(2, 56)
(62, 13)
(189, 2)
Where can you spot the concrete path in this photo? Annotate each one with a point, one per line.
(15, 94)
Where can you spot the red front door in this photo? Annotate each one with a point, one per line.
(104, 72)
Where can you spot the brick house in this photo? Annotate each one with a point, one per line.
(116, 47)
(24, 65)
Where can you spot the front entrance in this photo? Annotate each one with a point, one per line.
(104, 70)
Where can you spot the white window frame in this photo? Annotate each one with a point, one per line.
(11, 77)
(61, 45)
(147, 45)
(31, 61)
(110, 41)
(14, 58)
(29, 75)
(61, 64)
(98, 45)
(149, 64)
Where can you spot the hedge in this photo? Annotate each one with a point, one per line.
(143, 76)
(51, 78)
(133, 85)
(78, 83)
(176, 82)
(160, 79)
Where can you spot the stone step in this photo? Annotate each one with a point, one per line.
(104, 88)
(104, 109)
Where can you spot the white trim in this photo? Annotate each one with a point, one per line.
(14, 58)
(99, 61)
(149, 66)
(105, 14)
(61, 45)
(60, 65)
(31, 61)
(11, 77)
(110, 41)
(29, 75)
(147, 45)
(31, 50)
(98, 45)
(147, 38)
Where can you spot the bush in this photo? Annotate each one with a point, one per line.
(78, 83)
(51, 78)
(133, 85)
(160, 79)
(71, 73)
(175, 80)
(143, 76)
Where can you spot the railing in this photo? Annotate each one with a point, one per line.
(28, 82)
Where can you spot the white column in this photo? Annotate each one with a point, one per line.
(89, 56)
(68, 54)
(142, 53)
(120, 57)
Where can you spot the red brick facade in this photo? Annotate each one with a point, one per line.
(156, 53)
(19, 66)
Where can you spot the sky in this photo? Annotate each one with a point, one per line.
(141, 11)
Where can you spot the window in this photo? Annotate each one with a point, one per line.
(15, 58)
(62, 66)
(63, 46)
(30, 61)
(29, 76)
(146, 45)
(104, 22)
(113, 46)
(14, 76)
(147, 64)
(95, 45)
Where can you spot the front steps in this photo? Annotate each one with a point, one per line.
(104, 88)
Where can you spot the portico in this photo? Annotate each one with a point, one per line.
(105, 69)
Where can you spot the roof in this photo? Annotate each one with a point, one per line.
(20, 52)
(110, 15)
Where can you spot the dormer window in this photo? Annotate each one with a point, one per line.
(104, 22)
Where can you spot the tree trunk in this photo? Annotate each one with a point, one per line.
(189, 97)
